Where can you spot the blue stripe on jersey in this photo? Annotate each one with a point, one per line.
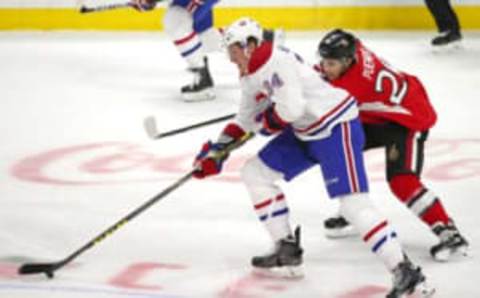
(263, 217)
(379, 243)
(274, 214)
(280, 212)
(382, 241)
(192, 50)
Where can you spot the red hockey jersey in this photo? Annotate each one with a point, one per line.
(385, 94)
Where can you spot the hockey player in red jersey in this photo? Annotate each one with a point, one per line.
(396, 114)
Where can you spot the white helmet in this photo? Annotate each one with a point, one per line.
(241, 30)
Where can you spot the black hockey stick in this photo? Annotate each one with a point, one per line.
(151, 128)
(85, 9)
(50, 268)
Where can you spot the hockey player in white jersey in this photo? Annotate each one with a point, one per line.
(313, 124)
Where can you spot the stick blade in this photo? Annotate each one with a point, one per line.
(150, 125)
(36, 268)
(84, 9)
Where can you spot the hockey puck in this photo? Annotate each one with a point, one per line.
(49, 274)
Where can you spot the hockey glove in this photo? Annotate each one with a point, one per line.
(271, 121)
(210, 160)
(143, 5)
(212, 155)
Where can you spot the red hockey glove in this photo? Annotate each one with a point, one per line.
(271, 121)
(143, 5)
(211, 157)
(207, 163)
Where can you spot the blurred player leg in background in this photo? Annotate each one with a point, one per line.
(447, 22)
(189, 23)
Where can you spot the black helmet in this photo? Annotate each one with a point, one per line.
(337, 44)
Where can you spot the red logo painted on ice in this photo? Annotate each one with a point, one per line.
(119, 162)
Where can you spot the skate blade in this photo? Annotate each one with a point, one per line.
(204, 95)
(341, 233)
(424, 290)
(448, 48)
(452, 254)
(287, 272)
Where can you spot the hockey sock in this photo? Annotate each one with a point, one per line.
(374, 229)
(268, 200)
(421, 201)
(178, 25)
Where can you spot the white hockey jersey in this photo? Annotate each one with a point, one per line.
(302, 98)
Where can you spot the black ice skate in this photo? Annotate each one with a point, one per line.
(338, 227)
(202, 87)
(447, 39)
(285, 260)
(409, 279)
(451, 243)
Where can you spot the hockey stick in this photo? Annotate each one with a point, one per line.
(151, 128)
(50, 268)
(85, 9)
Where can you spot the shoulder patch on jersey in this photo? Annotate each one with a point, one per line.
(260, 57)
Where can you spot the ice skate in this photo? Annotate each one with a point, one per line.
(285, 261)
(409, 279)
(452, 243)
(202, 87)
(338, 227)
(446, 41)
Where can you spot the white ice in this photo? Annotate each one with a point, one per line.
(74, 159)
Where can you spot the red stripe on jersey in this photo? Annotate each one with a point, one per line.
(352, 170)
(263, 204)
(374, 230)
(186, 39)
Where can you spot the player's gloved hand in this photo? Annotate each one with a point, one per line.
(143, 5)
(212, 155)
(271, 122)
(210, 160)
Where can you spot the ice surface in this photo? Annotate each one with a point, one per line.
(74, 159)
